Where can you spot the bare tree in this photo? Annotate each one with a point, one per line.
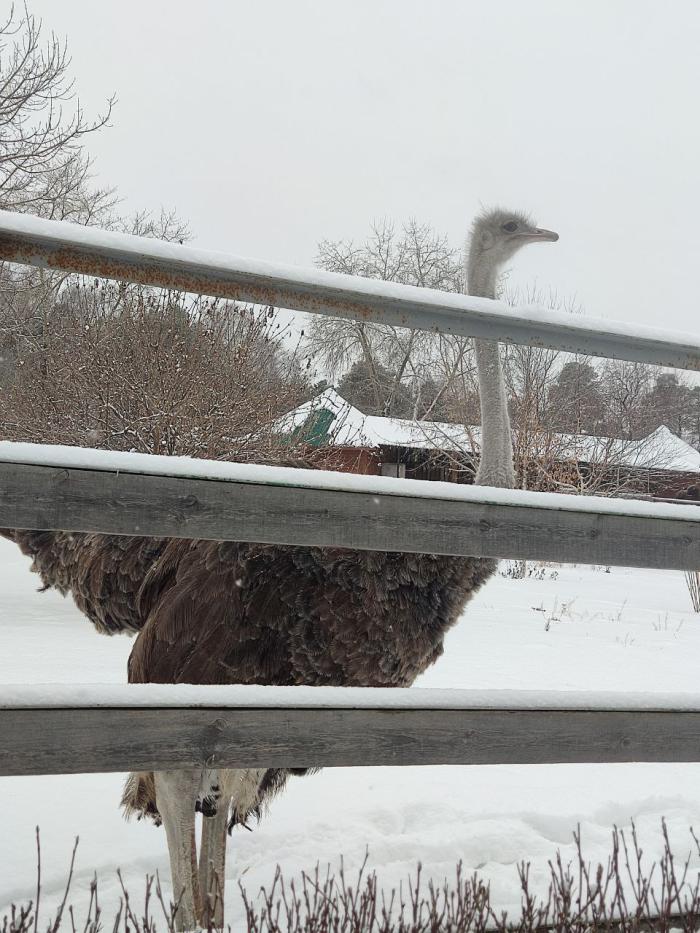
(419, 362)
(43, 167)
(624, 387)
(576, 399)
(561, 414)
(672, 402)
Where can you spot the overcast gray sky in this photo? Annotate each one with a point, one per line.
(272, 124)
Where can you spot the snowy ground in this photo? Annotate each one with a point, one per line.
(578, 628)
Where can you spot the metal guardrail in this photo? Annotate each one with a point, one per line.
(90, 251)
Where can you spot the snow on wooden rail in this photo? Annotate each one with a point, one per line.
(51, 729)
(45, 487)
(90, 251)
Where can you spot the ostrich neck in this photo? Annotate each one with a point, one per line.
(496, 461)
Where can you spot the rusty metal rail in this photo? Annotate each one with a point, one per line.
(90, 251)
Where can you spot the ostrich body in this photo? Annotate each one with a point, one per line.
(103, 573)
(226, 612)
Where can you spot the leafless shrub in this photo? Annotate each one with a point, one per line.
(127, 368)
(627, 894)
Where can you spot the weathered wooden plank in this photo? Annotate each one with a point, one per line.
(54, 741)
(94, 252)
(46, 497)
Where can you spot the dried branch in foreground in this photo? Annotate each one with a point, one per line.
(692, 579)
(627, 894)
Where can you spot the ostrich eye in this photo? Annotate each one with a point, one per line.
(510, 227)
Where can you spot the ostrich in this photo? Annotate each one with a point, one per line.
(211, 612)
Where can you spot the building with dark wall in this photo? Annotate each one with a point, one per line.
(661, 465)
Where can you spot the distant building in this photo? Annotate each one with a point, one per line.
(661, 465)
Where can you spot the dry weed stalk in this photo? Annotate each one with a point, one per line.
(692, 578)
(625, 895)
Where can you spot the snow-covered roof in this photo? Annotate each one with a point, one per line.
(349, 427)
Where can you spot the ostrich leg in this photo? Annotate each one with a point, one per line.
(212, 866)
(176, 795)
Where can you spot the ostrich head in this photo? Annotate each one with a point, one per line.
(496, 236)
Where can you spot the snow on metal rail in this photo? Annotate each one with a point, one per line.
(150, 727)
(90, 251)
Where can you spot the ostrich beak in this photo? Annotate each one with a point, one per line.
(548, 235)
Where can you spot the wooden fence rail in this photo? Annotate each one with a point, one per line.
(286, 506)
(420, 730)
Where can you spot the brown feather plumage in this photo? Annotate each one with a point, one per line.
(103, 573)
(213, 612)
(227, 612)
